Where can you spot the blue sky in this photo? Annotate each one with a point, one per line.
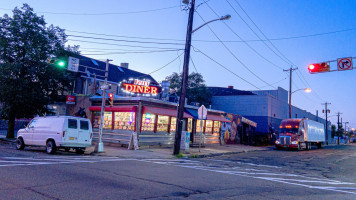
(277, 19)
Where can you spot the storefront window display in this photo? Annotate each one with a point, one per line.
(173, 124)
(162, 123)
(107, 120)
(148, 122)
(197, 127)
(124, 121)
(217, 126)
(96, 119)
(208, 126)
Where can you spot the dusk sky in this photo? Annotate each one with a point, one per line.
(151, 34)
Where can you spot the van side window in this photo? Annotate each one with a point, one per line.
(33, 123)
(84, 125)
(72, 123)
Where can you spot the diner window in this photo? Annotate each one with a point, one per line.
(162, 123)
(217, 126)
(96, 119)
(148, 122)
(190, 125)
(208, 126)
(173, 124)
(107, 120)
(124, 121)
(199, 126)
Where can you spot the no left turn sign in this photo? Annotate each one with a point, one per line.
(344, 63)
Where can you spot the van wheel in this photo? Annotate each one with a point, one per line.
(51, 147)
(20, 145)
(80, 151)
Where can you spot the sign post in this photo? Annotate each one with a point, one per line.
(202, 113)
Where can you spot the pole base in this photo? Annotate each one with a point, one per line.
(99, 147)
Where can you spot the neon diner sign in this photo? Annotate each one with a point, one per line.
(140, 87)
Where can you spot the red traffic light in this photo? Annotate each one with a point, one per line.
(319, 67)
(111, 95)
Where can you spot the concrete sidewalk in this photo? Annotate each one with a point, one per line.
(166, 152)
(156, 152)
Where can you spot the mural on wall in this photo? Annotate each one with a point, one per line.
(230, 130)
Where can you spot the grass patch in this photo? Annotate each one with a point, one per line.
(193, 156)
(180, 155)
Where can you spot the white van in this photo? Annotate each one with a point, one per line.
(54, 132)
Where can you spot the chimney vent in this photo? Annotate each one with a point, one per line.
(124, 65)
(230, 87)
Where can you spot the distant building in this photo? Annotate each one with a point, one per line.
(265, 107)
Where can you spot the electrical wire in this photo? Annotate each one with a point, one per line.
(275, 65)
(97, 14)
(228, 49)
(221, 65)
(85, 41)
(275, 82)
(191, 59)
(116, 40)
(137, 52)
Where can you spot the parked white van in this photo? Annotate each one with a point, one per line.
(56, 132)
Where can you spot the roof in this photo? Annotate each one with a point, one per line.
(223, 91)
(116, 73)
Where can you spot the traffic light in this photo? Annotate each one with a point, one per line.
(58, 62)
(111, 99)
(319, 67)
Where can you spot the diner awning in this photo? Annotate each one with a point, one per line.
(194, 113)
(114, 108)
(163, 111)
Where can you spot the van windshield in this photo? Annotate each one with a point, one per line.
(289, 130)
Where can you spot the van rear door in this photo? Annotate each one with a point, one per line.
(84, 131)
(71, 134)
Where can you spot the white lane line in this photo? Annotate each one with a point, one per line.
(248, 175)
(244, 163)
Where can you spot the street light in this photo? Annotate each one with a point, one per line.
(307, 90)
(188, 41)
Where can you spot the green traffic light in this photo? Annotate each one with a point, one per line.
(61, 63)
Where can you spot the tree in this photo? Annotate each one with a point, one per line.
(333, 131)
(196, 88)
(27, 82)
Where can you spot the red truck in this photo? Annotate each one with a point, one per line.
(300, 134)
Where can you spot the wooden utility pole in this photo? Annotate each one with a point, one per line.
(179, 123)
(290, 89)
(338, 127)
(326, 122)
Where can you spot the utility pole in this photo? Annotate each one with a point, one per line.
(338, 127)
(290, 89)
(326, 122)
(188, 41)
(100, 145)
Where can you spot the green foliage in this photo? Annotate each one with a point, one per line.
(180, 155)
(333, 131)
(28, 82)
(196, 88)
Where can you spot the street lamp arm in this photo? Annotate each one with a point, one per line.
(306, 89)
(226, 17)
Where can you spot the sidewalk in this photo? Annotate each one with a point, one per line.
(166, 152)
(156, 152)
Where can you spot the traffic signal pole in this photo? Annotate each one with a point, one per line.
(100, 145)
(179, 122)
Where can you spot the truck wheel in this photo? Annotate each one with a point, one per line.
(51, 147)
(299, 147)
(20, 145)
(80, 150)
(320, 145)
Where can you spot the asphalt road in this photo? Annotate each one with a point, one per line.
(32, 174)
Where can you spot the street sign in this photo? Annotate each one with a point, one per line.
(73, 64)
(344, 64)
(104, 87)
(202, 112)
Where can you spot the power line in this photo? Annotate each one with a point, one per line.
(244, 41)
(228, 49)
(96, 14)
(214, 41)
(137, 52)
(85, 41)
(191, 59)
(275, 82)
(221, 65)
(116, 40)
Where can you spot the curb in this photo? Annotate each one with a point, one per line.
(220, 154)
(7, 140)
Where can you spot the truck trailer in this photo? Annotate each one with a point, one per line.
(300, 134)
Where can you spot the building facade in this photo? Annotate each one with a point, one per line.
(265, 107)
